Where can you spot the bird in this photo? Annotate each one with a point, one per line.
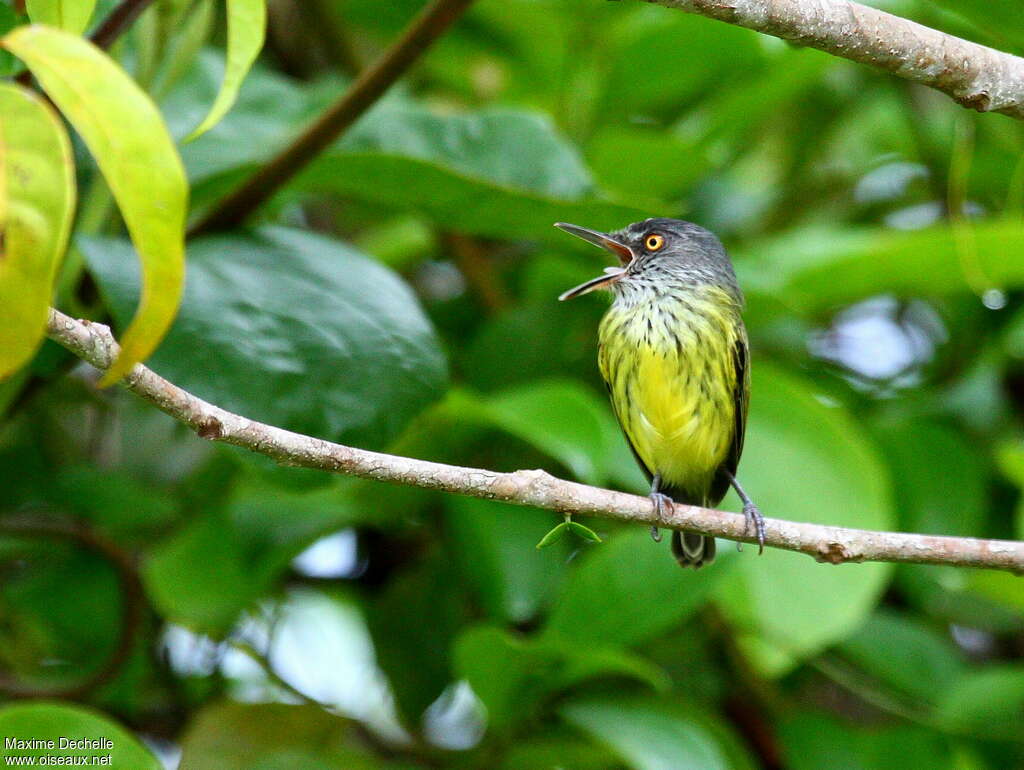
(674, 355)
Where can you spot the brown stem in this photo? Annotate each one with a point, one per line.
(117, 22)
(131, 611)
(235, 208)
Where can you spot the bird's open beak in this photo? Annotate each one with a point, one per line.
(605, 241)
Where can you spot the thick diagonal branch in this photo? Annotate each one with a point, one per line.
(976, 76)
(95, 344)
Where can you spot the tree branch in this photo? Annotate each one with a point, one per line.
(974, 75)
(94, 343)
(117, 21)
(232, 210)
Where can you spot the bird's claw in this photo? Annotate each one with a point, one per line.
(753, 519)
(661, 503)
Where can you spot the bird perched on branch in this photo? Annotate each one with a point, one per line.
(674, 355)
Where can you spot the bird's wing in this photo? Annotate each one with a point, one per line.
(741, 399)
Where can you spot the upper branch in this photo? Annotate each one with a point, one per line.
(974, 75)
(95, 344)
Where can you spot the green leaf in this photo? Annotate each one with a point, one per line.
(553, 536)
(207, 573)
(514, 676)
(247, 26)
(37, 202)
(943, 476)
(811, 741)
(987, 703)
(814, 269)
(494, 545)
(562, 419)
(45, 721)
(649, 734)
(293, 329)
(414, 620)
(126, 135)
(585, 532)
(627, 591)
(226, 735)
(493, 172)
(804, 461)
(905, 654)
(69, 15)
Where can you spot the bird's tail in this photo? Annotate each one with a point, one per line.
(692, 549)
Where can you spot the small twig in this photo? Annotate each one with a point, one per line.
(94, 343)
(974, 75)
(117, 21)
(131, 609)
(236, 207)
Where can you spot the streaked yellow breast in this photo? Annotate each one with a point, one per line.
(669, 366)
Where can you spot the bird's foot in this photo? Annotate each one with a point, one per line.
(662, 503)
(753, 521)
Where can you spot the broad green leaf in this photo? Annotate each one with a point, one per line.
(226, 735)
(247, 25)
(127, 137)
(218, 565)
(495, 547)
(492, 172)
(943, 476)
(561, 419)
(651, 734)
(804, 461)
(905, 654)
(811, 741)
(988, 703)
(659, 60)
(69, 15)
(514, 676)
(414, 620)
(51, 721)
(294, 329)
(814, 269)
(37, 202)
(628, 590)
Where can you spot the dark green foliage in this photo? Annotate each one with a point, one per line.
(400, 295)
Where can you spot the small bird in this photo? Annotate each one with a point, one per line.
(674, 356)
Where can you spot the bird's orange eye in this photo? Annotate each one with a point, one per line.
(654, 242)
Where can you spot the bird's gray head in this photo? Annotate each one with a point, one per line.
(657, 253)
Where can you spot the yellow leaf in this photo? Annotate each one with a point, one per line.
(70, 15)
(126, 134)
(247, 24)
(37, 201)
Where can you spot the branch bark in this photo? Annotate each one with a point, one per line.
(974, 75)
(94, 343)
(236, 207)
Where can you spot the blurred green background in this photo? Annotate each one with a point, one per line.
(400, 295)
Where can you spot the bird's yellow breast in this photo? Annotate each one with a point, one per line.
(671, 374)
